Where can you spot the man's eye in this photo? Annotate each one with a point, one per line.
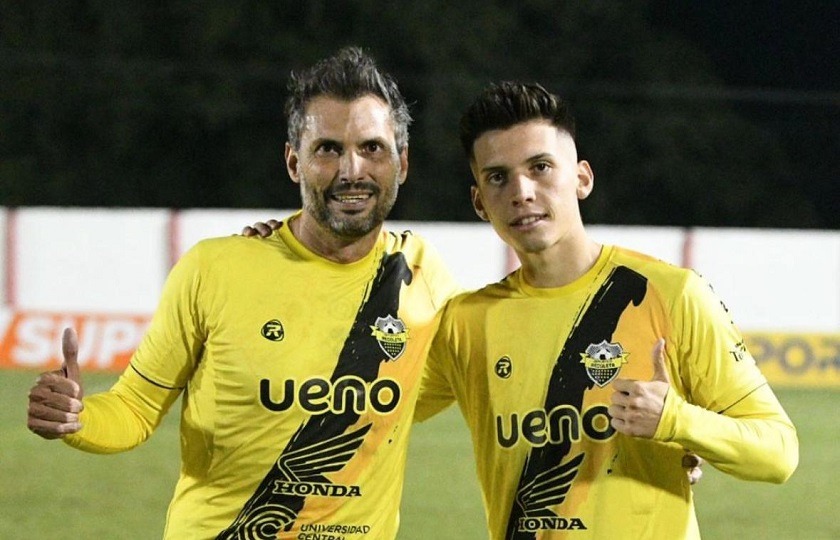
(372, 147)
(495, 178)
(542, 167)
(328, 148)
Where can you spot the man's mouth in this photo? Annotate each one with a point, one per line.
(351, 198)
(525, 221)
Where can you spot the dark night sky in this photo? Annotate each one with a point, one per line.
(784, 45)
(782, 61)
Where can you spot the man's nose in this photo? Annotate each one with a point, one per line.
(523, 189)
(351, 167)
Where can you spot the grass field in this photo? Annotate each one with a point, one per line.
(48, 490)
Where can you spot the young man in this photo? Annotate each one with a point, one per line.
(585, 374)
(298, 357)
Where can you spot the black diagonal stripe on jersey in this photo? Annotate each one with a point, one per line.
(322, 444)
(569, 382)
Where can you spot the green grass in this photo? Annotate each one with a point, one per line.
(48, 490)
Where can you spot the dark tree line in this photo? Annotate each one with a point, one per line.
(179, 104)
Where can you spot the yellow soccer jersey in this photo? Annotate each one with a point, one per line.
(532, 369)
(299, 380)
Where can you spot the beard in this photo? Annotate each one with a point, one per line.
(348, 225)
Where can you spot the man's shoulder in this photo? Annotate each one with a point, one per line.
(229, 248)
(405, 238)
(413, 246)
(483, 297)
(652, 268)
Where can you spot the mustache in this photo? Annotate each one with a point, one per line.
(344, 187)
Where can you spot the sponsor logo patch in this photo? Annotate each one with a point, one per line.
(739, 351)
(548, 489)
(273, 330)
(504, 367)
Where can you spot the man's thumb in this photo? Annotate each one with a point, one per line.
(660, 370)
(70, 351)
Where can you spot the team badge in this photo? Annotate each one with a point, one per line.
(391, 334)
(603, 361)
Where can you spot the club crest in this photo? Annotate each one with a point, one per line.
(603, 361)
(391, 334)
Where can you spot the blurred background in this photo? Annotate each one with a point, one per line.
(691, 113)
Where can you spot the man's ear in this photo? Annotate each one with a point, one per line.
(478, 205)
(586, 180)
(403, 164)
(292, 163)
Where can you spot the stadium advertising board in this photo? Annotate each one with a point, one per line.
(32, 339)
(797, 359)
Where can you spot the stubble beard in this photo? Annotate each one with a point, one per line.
(316, 204)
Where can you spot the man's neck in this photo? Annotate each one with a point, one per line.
(561, 264)
(328, 245)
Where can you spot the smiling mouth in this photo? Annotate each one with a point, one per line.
(524, 221)
(351, 198)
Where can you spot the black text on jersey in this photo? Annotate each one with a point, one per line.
(562, 424)
(317, 395)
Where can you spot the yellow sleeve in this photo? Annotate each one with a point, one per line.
(123, 417)
(170, 350)
(725, 410)
(439, 280)
(436, 392)
(126, 415)
(752, 440)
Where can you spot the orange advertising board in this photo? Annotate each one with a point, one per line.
(32, 339)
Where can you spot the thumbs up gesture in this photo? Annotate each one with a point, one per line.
(637, 405)
(56, 399)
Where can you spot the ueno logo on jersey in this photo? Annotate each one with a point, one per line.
(562, 423)
(316, 395)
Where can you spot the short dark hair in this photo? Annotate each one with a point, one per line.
(505, 104)
(348, 75)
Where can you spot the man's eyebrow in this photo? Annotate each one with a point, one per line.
(322, 140)
(492, 168)
(539, 157)
(377, 139)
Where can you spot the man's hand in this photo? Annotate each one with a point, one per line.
(262, 229)
(56, 399)
(693, 465)
(637, 405)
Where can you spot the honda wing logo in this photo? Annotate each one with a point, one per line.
(549, 488)
(303, 470)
